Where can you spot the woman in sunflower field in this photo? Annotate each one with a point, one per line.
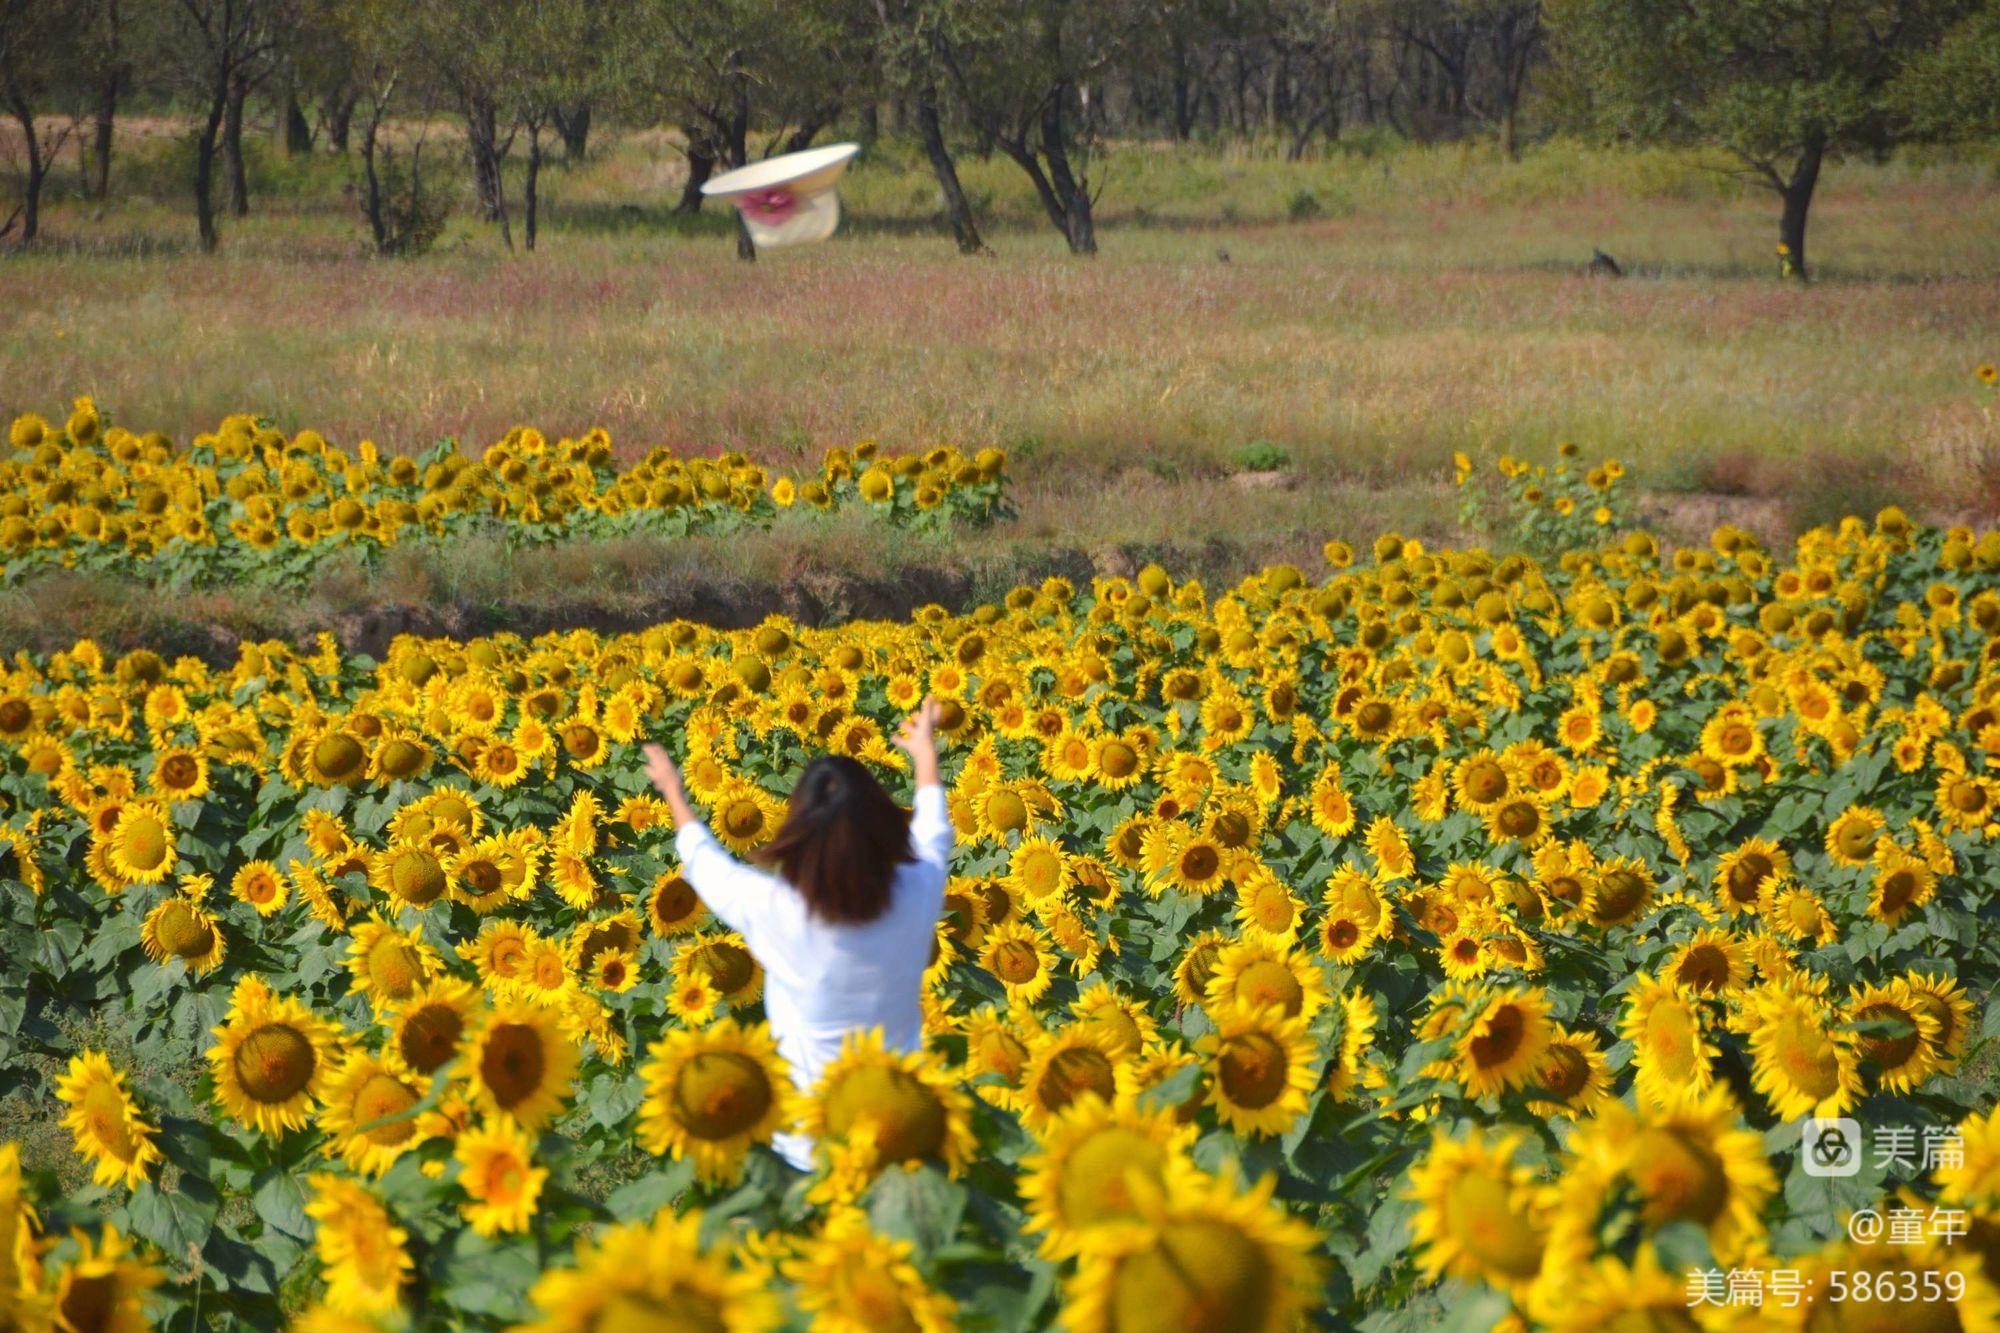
(845, 926)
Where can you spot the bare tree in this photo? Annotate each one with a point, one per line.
(220, 45)
(34, 35)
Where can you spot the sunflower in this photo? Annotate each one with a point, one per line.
(389, 965)
(1480, 1214)
(260, 884)
(497, 1171)
(1121, 1025)
(181, 928)
(1796, 913)
(105, 1287)
(1851, 838)
(362, 1251)
(1687, 1159)
(728, 964)
(1260, 1070)
(411, 874)
(1390, 849)
(1019, 956)
(1196, 967)
(1066, 1066)
(1973, 1180)
(1083, 1174)
(1667, 1026)
(1332, 808)
(1801, 1062)
(1904, 1055)
(849, 1279)
(1253, 973)
(1504, 1037)
(139, 847)
(430, 1026)
(1902, 884)
(907, 1106)
(1572, 1078)
(370, 1089)
(106, 1123)
(518, 1063)
(1037, 870)
(673, 907)
(1744, 871)
(1609, 1293)
(1618, 892)
(1267, 906)
(271, 1058)
(1950, 1009)
(1204, 1253)
(647, 1275)
(1710, 962)
(711, 1093)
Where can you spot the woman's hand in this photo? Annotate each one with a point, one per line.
(917, 738)
(667, 781)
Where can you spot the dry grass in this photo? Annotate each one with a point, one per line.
(1436, 303)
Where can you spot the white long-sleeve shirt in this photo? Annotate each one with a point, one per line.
(823, 980)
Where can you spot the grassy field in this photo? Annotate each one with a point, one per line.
(1375, 312)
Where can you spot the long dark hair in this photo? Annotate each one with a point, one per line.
(841, 841)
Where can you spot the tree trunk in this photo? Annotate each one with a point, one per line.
(963, 229)
(530, 199)
(1510, 146)
(1797, 195)
(573, 124)
(204, 168)
(701, 165)
(340, 119)
(1078, 227)
(232, 148)
(38, 170)
(1182, 93)
(295, 131)
(481, 133)
(738, 148)
(100, 147)
(376, 227)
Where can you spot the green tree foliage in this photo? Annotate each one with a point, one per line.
(1781, 84)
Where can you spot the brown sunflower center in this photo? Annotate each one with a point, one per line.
(274, 1063)
(1097, 1175)
(415, 876)
(430, 1036)
(513, 1065)
(1480, 1214)
(1253, 1069)
(908, 1119)
(1197, 1277)
(1072, 1073)
(384, 1095)
(1506, 1027)
(1267, 982)
(338, 758)
(1681, 1176)
(720, 1093)
(181, 930)
(394, 966)
(1016, 962)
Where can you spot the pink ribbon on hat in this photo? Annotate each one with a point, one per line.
(769, 207)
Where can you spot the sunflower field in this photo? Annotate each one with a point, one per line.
(1436, 939)
(243, 503)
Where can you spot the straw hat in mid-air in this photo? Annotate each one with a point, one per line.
(789, 199)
